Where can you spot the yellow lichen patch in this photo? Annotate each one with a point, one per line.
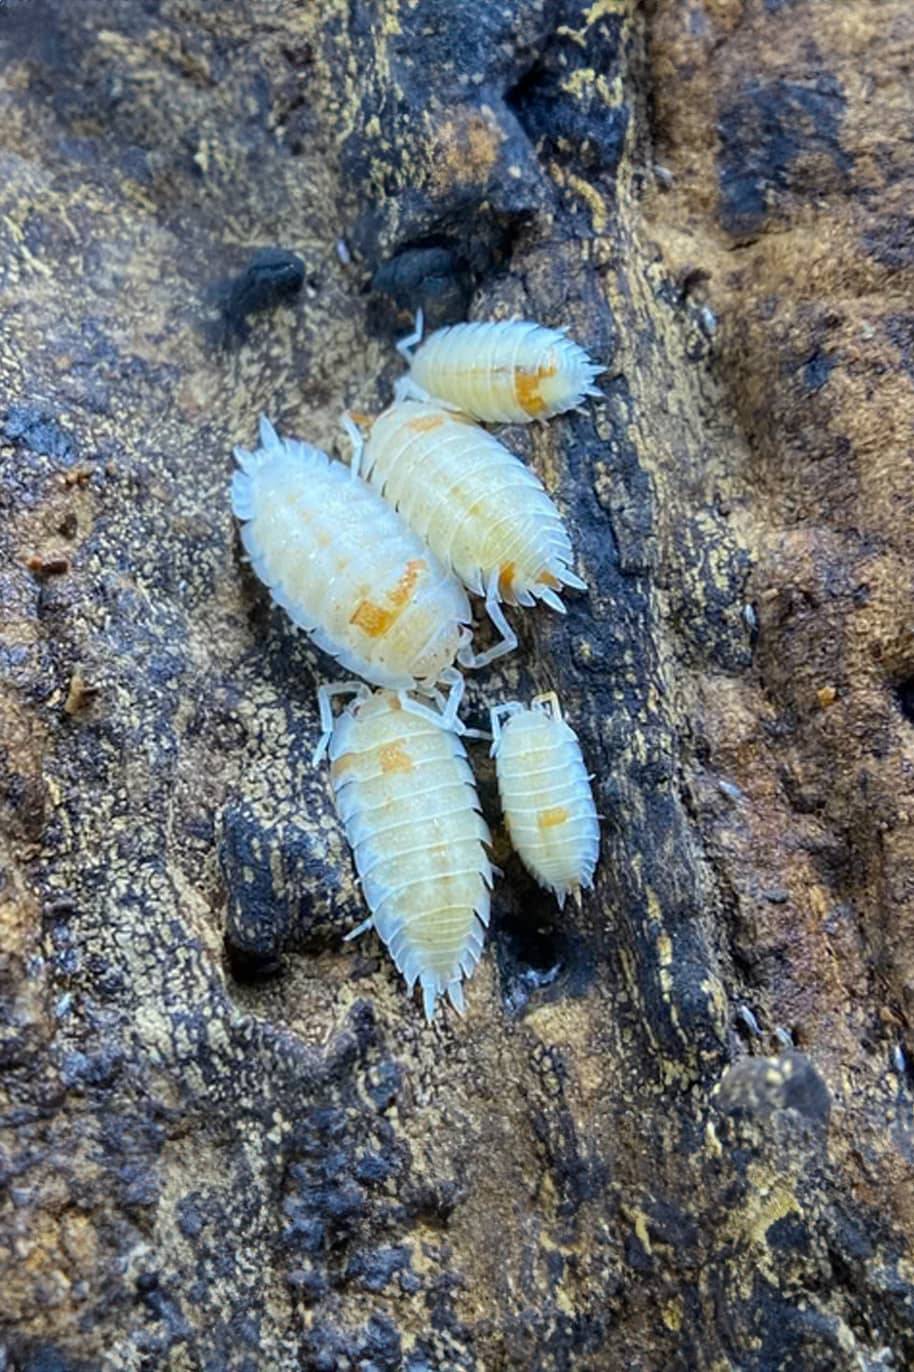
(506, 578)
(467, 147)
(375, 620)
(393, 757)
(550, 819)
(527, 388)
(424, 423)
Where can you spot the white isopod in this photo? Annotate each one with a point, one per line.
(485, 515)
(545, 794)
(504, 372)
(347, 570)
(405, 794)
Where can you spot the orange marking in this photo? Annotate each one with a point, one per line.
(527, 388)
(375, 620)
(359, 417)
(548, 819)
(394, 758)
(343, 764)
(506, 577)
(424, 423)
(547, 579)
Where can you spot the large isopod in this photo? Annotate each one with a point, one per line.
(405, 794)
(347, 569)
(502, 372)
(483, 513)
(545, 794)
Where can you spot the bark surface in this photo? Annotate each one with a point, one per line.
(674, 1130)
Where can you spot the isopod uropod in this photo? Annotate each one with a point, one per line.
(485, 515)
(405, 794)
(545, 794)
(348, 571)
(506, 372)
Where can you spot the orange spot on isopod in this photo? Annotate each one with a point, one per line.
(506, 577)
(424, 423)
(527, 387)
(550, 819)
(375, 620)
(394, 758)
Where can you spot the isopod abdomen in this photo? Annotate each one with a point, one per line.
(545, 794)
(345, 567)
(500, 372)
(405, 794)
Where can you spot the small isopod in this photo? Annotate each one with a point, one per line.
(545, 794)
(405, 794)
(347, 570)
(506, 372)
(481, 511)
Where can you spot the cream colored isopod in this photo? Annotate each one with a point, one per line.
(347, 570)
(502, 372)
(481, 511)
(405, 794)
(545, 794)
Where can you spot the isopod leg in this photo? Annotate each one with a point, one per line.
(446, 717)
(548, 703)
(325, 694)
(360, 929)
(508, 641)
(406, 345)
(508, 707)
(454, 680)
(354, 434)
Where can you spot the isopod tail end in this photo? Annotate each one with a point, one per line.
(429, 997)
(242, 495)
(269, 438)
(455, 996)
(570, 578)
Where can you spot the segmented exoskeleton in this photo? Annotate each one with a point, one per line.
(483, 513)
(347, 569)
(545, 794)
(405, 793)
(506, 372)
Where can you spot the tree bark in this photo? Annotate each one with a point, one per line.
(674, 1129)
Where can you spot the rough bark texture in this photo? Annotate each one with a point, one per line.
(229, 1141)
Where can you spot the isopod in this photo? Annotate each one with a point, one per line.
(483, 513)
(545, 794)
(506, 372)
(405, 794)
(347, 570)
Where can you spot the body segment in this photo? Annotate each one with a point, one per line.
(545, 794)
(502, 372)
(345, 567)
(405, 793)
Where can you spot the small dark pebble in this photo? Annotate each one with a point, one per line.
(778, 896)
(271, 276)
(47, 566)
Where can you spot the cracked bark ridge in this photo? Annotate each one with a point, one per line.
(673, 1131)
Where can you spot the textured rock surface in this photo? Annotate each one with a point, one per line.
(228, 1141)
